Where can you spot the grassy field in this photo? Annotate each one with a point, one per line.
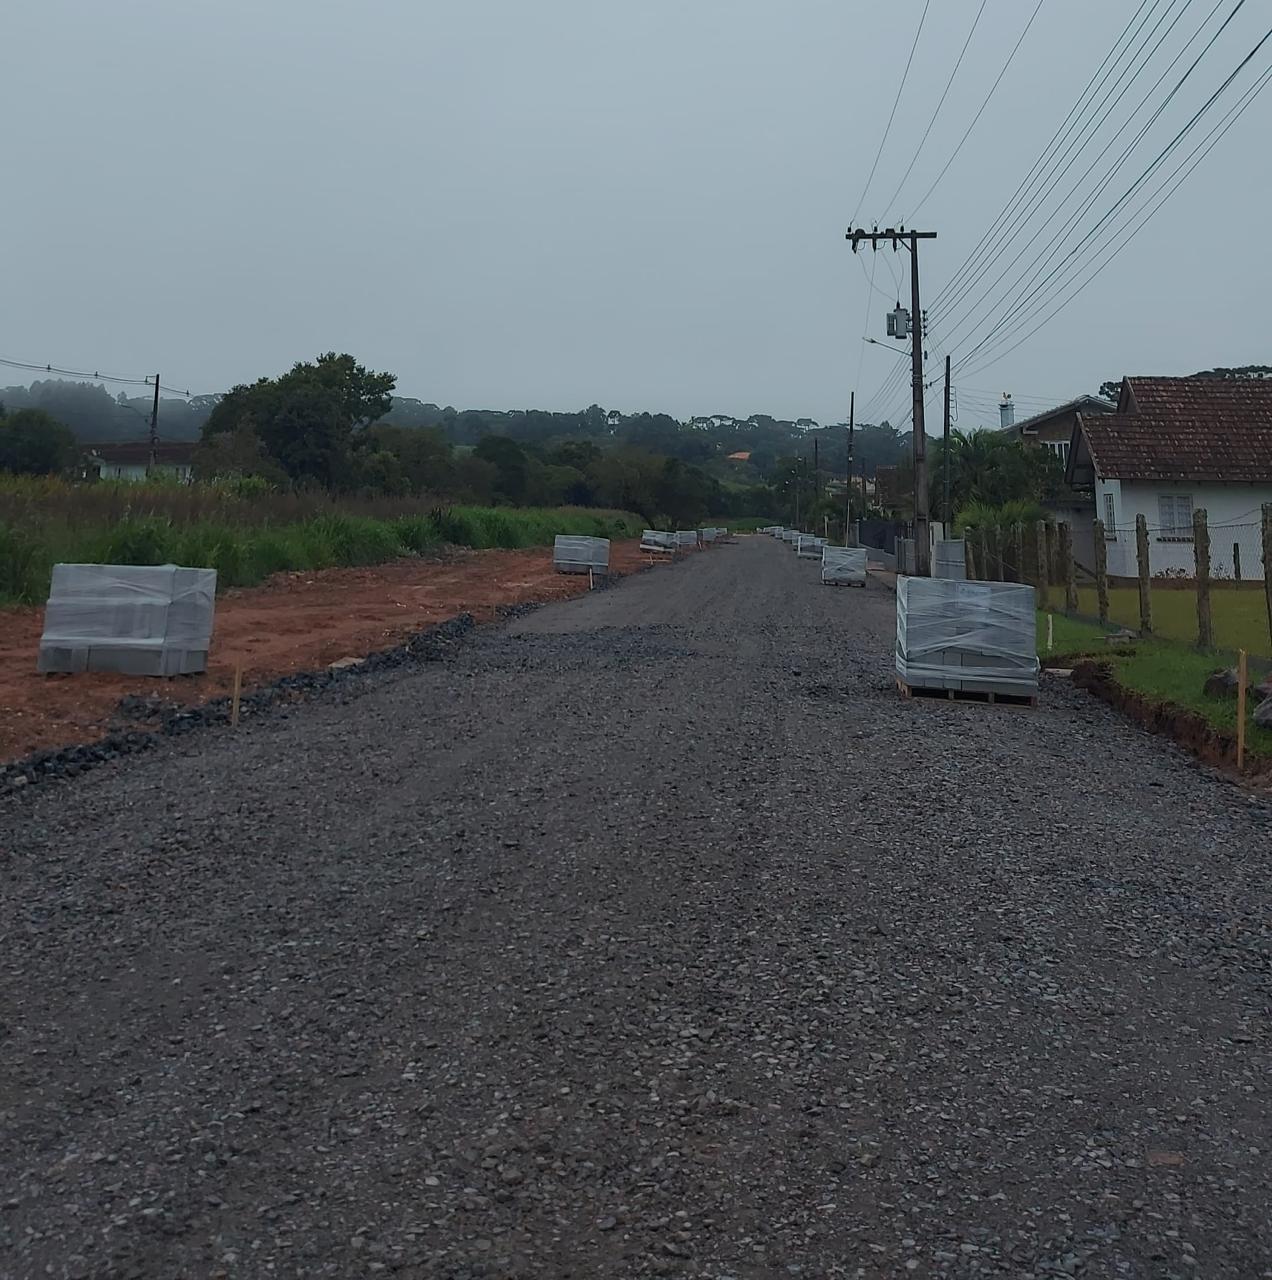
(1240, 618)
(1164, 670)
(248, 536)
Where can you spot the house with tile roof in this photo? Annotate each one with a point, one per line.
(1173, 446)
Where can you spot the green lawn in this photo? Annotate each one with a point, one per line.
(1161, 669)
(1240, 618)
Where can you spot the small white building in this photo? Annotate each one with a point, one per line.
(129, 460)
(1175, 446)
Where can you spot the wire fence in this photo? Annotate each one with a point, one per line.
(1208, 585)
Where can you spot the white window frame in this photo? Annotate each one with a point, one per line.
(1169, 509)
(1110, 518)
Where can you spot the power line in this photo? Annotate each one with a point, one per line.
(1180, 175)
(1050, 176)
(95, 376)
(980, 112)
(1008, 209)
(892, 114)
(1048, 252)
(1071, 263)
(944, 94)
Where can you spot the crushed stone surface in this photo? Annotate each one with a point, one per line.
(649, 934)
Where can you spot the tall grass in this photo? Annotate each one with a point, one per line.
(246, 537)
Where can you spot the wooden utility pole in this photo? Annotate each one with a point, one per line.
(1201, 559)
(945, 456)
(910, 239)
(852, 414)
(1041, 565)
(1101, 573)
(1066, 556)
(812, 506)
(1141, 563)
(154, 429)
(1267, 561)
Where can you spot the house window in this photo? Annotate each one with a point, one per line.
(1110, 518)
(1175, 516)
(1061, 449)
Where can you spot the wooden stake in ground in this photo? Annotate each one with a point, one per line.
(1018, 539)
(1051, 632)
(1241, 704)
(1141, 561)
(234, 697)
(1101, 573)
(1040, 564)
(1066, 557)
(986, 570)
(969, 558)
(1267, 561)
(1201, 558)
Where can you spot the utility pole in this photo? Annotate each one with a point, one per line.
(945, 454)
(154, 429)
(816, 478)
(852, 413)
(910, 239)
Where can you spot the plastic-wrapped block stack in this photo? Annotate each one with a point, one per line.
(808, 547)
(977, 637)
(575, 553)
(949, 560)
(136, 620)
(844, 564)
(789, 535)
(686, 537)
(657, 540)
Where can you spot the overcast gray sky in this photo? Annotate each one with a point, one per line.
(548, 203)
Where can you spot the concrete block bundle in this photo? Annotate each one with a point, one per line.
(972, 637)
(138, 620)
(576, 553)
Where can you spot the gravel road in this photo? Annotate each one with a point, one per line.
(651, 934)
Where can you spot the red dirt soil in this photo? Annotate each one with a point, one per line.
(293, 622)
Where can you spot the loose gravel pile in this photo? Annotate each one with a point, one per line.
(651, 934)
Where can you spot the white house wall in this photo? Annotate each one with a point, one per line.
(1233, 514)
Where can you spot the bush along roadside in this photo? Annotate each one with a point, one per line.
(157, 719)
(245, 554)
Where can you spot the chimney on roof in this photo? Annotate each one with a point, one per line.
(1006, 411)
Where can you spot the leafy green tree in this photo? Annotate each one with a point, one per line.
(306, 419)
(34, 443)
(510, 462)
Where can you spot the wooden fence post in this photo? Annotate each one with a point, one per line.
(1267, 561)
(969, 557)
(1236, 561)
(1201, 557)
(1101, 573)
(1040, 565)
(1053, 556)
(1141, 561)
(1018, 540)
(986, 570)
(1070, 579)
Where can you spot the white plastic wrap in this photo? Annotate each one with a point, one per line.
(576, 553)
(151, 620)
(844, 564)
(657, 540)
(975, 636)
(808, 547)
(687, 537)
